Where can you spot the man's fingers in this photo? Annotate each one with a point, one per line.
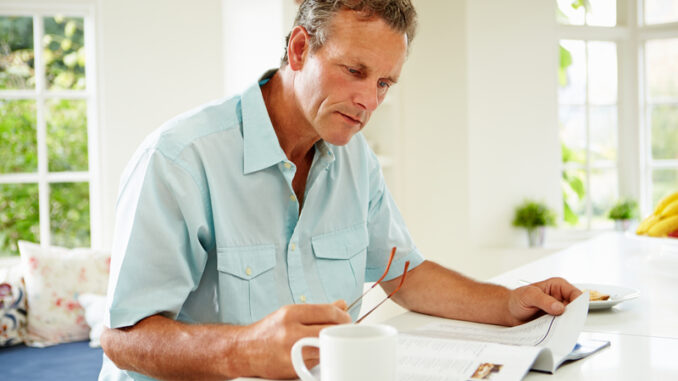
(318, 314)
(310, 353)
(341, 304)
(560, 289)
(535, 297)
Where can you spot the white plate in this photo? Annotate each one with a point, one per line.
(617, 294)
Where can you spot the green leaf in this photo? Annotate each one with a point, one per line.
(565, 62)
(576, 4)
(577, 186)
(568, 215)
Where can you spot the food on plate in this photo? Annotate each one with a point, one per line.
(663, 222)
(596, 296)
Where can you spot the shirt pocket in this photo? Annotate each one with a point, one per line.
(247, 290)
(340, 258)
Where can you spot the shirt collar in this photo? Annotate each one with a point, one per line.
(260, 143)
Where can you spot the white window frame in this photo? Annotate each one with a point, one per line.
(40, 94)
(647, 163)
(618, 35)
(635, 163)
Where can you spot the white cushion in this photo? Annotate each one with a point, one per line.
(95, 308)
(54, 278)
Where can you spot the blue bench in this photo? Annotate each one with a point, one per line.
(70, 361)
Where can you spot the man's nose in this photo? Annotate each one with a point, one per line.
(367, 96)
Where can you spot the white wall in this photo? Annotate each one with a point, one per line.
(254, 39)
(513, 128)
(157, 58)
(434, 173)
(480, 129)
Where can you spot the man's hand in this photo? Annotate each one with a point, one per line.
(550, 296)
(270, 339)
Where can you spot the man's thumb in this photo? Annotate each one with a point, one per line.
(340, 304)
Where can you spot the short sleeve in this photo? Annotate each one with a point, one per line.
(162, 237)
(386, 230)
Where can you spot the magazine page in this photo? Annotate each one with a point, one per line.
(423, 358)
(556, 333)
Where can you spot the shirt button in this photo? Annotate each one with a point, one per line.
(293, 246)
(293, 197)
(302, 298)
(248, 271)
(287, 165)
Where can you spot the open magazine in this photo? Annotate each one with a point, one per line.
(458, 350)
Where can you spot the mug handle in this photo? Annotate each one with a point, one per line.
(298, 361)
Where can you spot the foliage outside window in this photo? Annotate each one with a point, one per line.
(591, 27)
(44, 161)
(587, 77)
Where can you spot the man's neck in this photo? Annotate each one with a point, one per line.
(295, 135)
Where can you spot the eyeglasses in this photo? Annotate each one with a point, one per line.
(388, 266)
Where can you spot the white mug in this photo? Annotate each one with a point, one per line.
(351, 352)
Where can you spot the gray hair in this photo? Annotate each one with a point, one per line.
(316, 15)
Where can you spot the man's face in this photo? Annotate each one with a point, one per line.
(343, 82)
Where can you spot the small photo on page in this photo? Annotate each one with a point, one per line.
(485, 371)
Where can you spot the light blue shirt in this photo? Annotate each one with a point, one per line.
(208, 227)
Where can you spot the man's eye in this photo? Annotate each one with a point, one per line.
(352, 71)
(384, 84)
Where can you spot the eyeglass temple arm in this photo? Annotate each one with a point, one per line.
(388, 266)
(402, 280)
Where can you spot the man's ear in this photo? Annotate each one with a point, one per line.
(298, 47)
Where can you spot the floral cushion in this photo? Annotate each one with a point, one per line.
(12, 313)
(54, 278)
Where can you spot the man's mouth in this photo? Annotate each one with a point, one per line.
(350, 119)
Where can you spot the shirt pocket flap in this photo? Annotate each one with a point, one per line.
(246, 262)
(342, 244)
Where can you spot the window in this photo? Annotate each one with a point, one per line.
(618, 105)
(46, 125)
(588, 112)
(660, 106)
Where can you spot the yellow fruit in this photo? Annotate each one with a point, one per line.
(670, 210)
(647, 224)
(665, 202)
(664, 227)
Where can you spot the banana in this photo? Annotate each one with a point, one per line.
(664, 227)
(670, 210)
(665, 202)
(647, 224)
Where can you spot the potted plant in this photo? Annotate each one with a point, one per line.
(622, 213)
(534, 216)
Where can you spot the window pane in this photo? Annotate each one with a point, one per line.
(602, 72)
(568, 14)
(19, 216)
(69, 214)
(573, 130)
(664, 122)
(661, 11)
(603, 196)
(67, 135)
(574, 193)
(572, 88)
(64, 51)
(603, 133)
(19, 137)
(664, 182)
(16, 53)
(602, 13)
(662, 76)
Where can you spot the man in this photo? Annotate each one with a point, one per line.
(245, 225)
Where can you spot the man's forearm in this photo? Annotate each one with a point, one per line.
(434, 290)
(166, 349)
